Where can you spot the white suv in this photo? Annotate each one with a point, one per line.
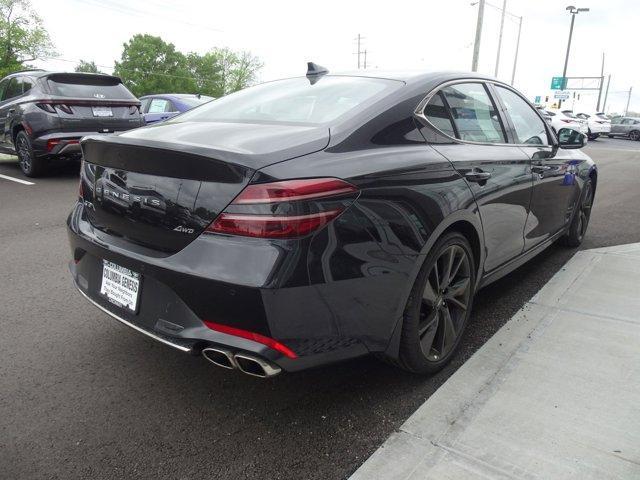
(598, 124)
(566, 119)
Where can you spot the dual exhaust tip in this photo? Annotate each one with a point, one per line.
(246, 363)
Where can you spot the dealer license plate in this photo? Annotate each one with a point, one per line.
(102, 112)
(120, 285)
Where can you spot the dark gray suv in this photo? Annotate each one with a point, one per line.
(46, 113)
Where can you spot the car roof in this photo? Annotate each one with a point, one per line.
(414, 76)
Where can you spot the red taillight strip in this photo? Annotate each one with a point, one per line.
(293, 190)
(267, 226)
(254, 337)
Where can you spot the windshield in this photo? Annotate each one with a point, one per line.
(294, 101)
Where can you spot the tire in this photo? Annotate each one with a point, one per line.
(30, 165)
(580, 221)
(436, 314)
(610, 136)
(634, 135)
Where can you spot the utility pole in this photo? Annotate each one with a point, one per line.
(601, 83)
(476, 43)
(504, 11)
(515, 59)
(365, 58)
(573, 11)
(606, 94)
(626, 110)
(359, 51)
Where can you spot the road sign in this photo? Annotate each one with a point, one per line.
(562, 94)
(538, 98)
(558, 83)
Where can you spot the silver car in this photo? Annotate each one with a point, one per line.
(625, 127)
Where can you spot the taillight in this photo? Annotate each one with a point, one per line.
(47, 107)
(286, 209)
(65, 108)
(133, 109)
(254, 337)
(566, 121)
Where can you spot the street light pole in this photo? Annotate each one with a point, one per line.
(515, 59)
(476, 43)
(573, 11)
(504, 11)
(626, 109)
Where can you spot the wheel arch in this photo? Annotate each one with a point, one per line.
(464, 222)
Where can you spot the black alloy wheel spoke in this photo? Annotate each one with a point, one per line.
(445, 302)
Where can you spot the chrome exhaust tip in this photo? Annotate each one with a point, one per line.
(255, 366)
(220, 357)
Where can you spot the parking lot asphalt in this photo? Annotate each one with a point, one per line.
(83, 397)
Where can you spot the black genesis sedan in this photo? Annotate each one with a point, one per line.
(314, 219)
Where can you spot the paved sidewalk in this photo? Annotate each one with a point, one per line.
(555, 394)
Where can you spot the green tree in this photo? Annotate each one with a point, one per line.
(87, 67)
(148, 65)
(23, 37)
(222, 71)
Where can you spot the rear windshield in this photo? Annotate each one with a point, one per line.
(294, 100)
(569, 113)
(89, 87)
(602, 116)
(195, 101)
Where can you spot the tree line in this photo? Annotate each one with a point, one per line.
(147, 65)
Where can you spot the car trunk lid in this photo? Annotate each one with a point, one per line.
(161, 194)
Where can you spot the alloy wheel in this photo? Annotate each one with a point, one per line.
(24, 154)
(585, 210)
(444, 303)
(634, 135)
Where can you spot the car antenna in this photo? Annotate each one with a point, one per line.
(315, 72)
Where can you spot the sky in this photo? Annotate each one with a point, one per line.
(403, 35)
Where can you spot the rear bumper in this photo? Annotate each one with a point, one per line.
(233, 283)
(64, 143)
(600, 128)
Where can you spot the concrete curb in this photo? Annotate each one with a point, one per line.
(553, 394)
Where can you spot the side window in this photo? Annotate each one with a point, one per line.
(474, 114)
(437, 114)
(27, 84)
(13, 89)
(3, 86)
(158, 105)
(625, 121)
(529, 127)
(145, 104)
(169, 107)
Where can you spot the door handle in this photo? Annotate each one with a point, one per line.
(477, 175)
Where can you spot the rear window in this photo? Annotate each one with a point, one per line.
(569, 113)
(294, 100)
(89, 86)
(195, 101)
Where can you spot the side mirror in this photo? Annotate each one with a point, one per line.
(569, 138)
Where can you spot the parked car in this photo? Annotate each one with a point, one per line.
(314, 219)
(544, 114)
(46, 113)
(560, 119)
(628, 127)
(157, 108)
(598, 124)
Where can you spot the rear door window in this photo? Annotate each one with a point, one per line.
(436, 112)
(159, 105)
(529, 127)
(14, 89)
(89, 86)
(474, 114)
